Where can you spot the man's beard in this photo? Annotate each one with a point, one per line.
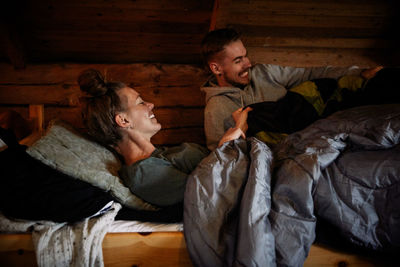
(235, 83)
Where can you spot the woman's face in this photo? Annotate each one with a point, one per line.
(138, 113)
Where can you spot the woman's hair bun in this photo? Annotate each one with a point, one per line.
(92, 82)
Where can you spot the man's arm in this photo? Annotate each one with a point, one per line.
(217, 110)
(291, 76)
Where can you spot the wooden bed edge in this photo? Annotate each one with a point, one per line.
(36, 117)
(162, 249)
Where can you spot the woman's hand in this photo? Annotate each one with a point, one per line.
(240, 116)
(231, 134)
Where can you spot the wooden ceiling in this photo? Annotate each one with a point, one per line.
(287, 32)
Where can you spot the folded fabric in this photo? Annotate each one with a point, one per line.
(68, 151)
(32, 190)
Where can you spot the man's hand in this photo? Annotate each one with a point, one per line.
(369, 73)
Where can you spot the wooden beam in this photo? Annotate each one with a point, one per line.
(36, 114)
(223, 13)
(214, 15)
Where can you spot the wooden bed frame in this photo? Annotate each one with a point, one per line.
(160, 249)
(149, 249)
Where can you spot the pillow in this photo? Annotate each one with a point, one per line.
(64, 149)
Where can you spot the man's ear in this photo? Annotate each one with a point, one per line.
(121, 120)
(215, 68)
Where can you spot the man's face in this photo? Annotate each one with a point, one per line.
(234, 65)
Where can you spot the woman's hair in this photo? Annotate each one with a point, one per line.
(101, 106)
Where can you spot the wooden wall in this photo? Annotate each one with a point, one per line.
(45, 44)
(174, 89)
(316, 32)
(103, 31)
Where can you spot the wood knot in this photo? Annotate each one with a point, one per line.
(144, 233)
(342, 264)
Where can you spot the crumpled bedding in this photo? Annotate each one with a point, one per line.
(63, 244)
(250, 206)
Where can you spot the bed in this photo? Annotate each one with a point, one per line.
(158, 246)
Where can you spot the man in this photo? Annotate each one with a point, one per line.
(236, 83)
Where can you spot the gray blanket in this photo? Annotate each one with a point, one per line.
(344, 170)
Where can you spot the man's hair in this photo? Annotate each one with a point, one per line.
(215, 42)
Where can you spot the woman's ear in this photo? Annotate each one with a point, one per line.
(121, 120)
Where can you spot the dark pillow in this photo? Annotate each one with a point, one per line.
(32, 190)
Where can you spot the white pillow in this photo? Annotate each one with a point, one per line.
(64, 149)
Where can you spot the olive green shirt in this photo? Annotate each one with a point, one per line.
(161, 178)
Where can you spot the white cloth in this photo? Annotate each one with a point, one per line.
(62, 244)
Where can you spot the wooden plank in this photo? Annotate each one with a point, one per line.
(155, 249)
(117, 26)
(311, 32)
(214, 15)
(188, 128)
(178, 136)
(302, 57)
(122, 38)
(166, 249)
(40, 94)
(278, 41)
(17, 250)
(260, 18)
(36, 115)
(168, 117)
(124, 56)
(122, 4)
(157, 74)
(103, 15)
(68, 95)
(180, 117)
(316, 8)
(112, 52)
(134, 74)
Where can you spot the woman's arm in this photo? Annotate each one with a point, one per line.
(240, 116)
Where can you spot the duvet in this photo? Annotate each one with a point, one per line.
(248, 205)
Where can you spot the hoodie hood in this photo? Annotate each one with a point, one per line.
(211, 88)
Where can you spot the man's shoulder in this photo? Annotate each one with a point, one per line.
(263, 66)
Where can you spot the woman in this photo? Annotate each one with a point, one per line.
(116, 116)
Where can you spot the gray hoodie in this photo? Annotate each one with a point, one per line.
(267, 83)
